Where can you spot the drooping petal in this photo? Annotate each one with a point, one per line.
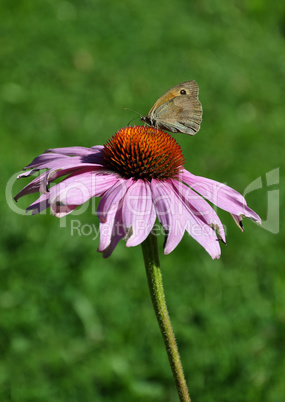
(106, 229)
(170, 213)
(196, 223)
(67, 164)
(43, 161)
(111, 231)
(112, 197)
(138, 212)
(221, 195)
(76, 151)
(103, 182)
(79, 188)
(32, 187)
(61, 210)
(238, 221)
(60, 158)
(199, 207)
(27, 173)
(39, 205)
(41, 182)
(204, 235)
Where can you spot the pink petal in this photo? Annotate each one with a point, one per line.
(104, 182)
(106, 230)
(68, 163)
(199, 207)
(80, 187)
(111, 232)
(65, 157)
(28, 173)
(184, 218)
(32, 187)
(41, 182)
(76, 151)
(39, 205)
(43, 203)
(221, 195)
(61, 210)
(204, 235)
(138, 212)
(112, 197)
(45, 159)
(238, 221)
(170, 213)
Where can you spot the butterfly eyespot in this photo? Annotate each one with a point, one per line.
(182, 92)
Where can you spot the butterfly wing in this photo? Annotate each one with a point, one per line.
(187, 115)
(178, 110)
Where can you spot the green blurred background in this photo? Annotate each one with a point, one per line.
(76, 327)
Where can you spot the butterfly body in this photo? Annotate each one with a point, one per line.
(178, 110)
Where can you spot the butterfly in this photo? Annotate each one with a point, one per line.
(178, 110)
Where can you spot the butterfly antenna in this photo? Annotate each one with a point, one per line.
(127, 108)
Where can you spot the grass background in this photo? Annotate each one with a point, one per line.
(75, 327)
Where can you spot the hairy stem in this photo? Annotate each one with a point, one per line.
(151, 260)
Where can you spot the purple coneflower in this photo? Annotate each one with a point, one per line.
(140, 175)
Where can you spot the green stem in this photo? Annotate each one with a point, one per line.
(151, 260)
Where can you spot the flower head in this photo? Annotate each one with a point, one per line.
(140, 176)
